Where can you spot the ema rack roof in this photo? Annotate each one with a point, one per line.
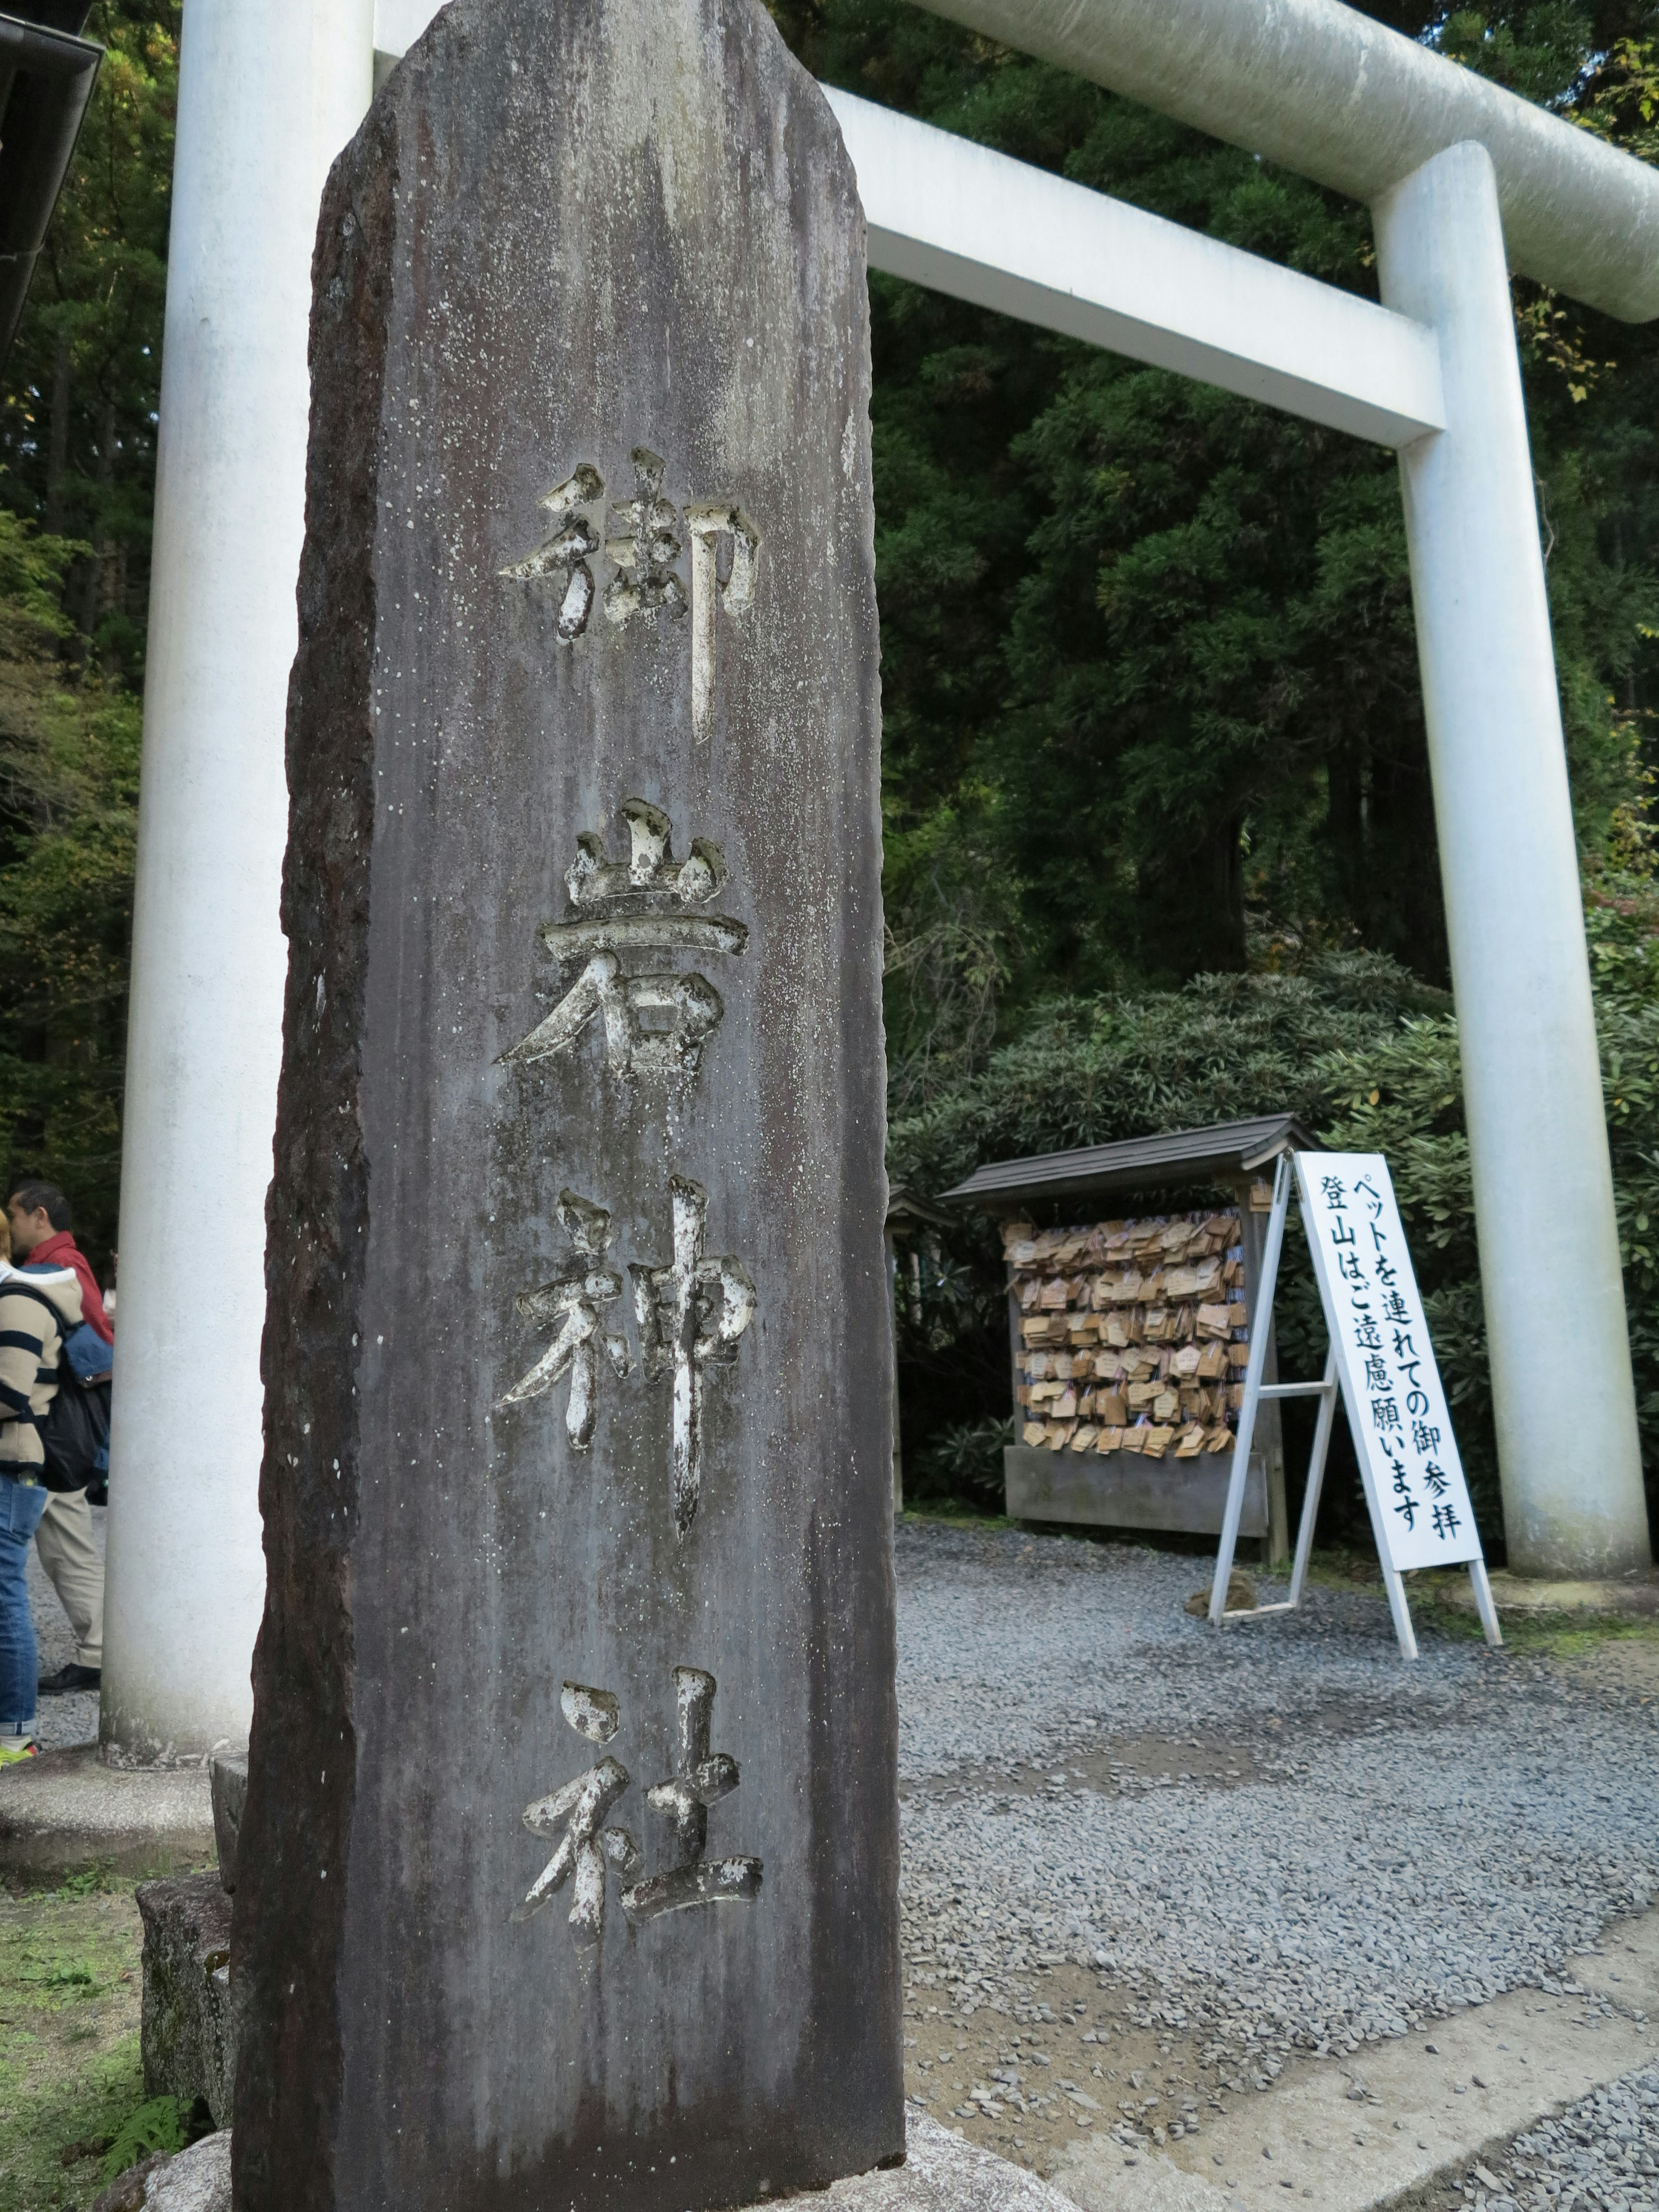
(1226, 1151)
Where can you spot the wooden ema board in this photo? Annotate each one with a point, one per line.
(1129, 1340)
(1382, 1365)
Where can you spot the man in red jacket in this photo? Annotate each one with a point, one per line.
(42, 1237)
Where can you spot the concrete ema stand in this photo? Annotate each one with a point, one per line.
(1382, 1365)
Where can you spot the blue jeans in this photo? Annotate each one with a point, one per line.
(22, 1505)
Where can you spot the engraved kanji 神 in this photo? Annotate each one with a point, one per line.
(692, 1313)
(570, 1303)
(653, 1021)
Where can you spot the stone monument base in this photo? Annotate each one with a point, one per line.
(66, 1810)
(941, 2173)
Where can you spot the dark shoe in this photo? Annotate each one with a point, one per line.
(70, 1679)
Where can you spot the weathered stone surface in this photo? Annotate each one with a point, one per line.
(943, 2174)
(188, 2037)
(578, 1377)
(230, 1796)
(193, 2181)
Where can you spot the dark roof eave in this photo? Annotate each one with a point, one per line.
(1225, 1152)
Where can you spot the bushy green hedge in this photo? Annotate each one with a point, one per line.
(1368, 1058)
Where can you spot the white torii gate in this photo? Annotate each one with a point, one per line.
(1464, 182)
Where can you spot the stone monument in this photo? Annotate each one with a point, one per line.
(568, 1872)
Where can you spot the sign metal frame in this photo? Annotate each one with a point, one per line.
(1327, 1390)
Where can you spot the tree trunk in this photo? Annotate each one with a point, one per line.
(58, 436)
(93, 597)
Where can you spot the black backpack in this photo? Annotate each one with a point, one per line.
(74, 1430)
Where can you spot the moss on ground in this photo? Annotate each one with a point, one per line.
(70, 1992)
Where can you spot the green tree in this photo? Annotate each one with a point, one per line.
(77, 436)
(1151, 697)
(81, 387)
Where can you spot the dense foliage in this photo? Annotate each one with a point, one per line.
(1150, 682)
(78, 408)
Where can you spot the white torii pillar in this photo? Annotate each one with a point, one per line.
(269, 92)
(1573, 1501)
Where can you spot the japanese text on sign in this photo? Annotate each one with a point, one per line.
(1390, 1384)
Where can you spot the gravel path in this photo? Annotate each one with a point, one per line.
(59, 1722)
(1602, 2152)
(1144, 1864)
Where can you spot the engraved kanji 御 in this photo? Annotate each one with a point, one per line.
(645, 540)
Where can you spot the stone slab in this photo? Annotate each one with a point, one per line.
(1636, 1597)
(229, 1783)
(188, 2036)
(576, 1488)
(1123, 1489)
(1357, 2134)
(941, 2172)
(67, 1811)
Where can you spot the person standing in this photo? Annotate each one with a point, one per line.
(34, 1319)
(42, 1236)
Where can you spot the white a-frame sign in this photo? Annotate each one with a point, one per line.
(1381, 1362)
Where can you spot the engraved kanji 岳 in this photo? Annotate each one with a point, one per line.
(573, 1814)
(692, 1313)
(571, 1304)
(701, 1778)
(646, 903)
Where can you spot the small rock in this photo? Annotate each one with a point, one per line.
(193, 2181)
(126, 2192)
(1240, 1596)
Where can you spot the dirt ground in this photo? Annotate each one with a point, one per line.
(1083, 2059)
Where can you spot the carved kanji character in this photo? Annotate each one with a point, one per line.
(701, 1779)
(710, 520)
(691, 1314)
(570, 1303)
(577, 1809)
(656, 1022)
(564, 555)
(648, 548)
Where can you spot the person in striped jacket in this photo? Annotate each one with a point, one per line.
(36, 1313)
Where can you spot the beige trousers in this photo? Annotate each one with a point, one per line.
(74, 1566)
